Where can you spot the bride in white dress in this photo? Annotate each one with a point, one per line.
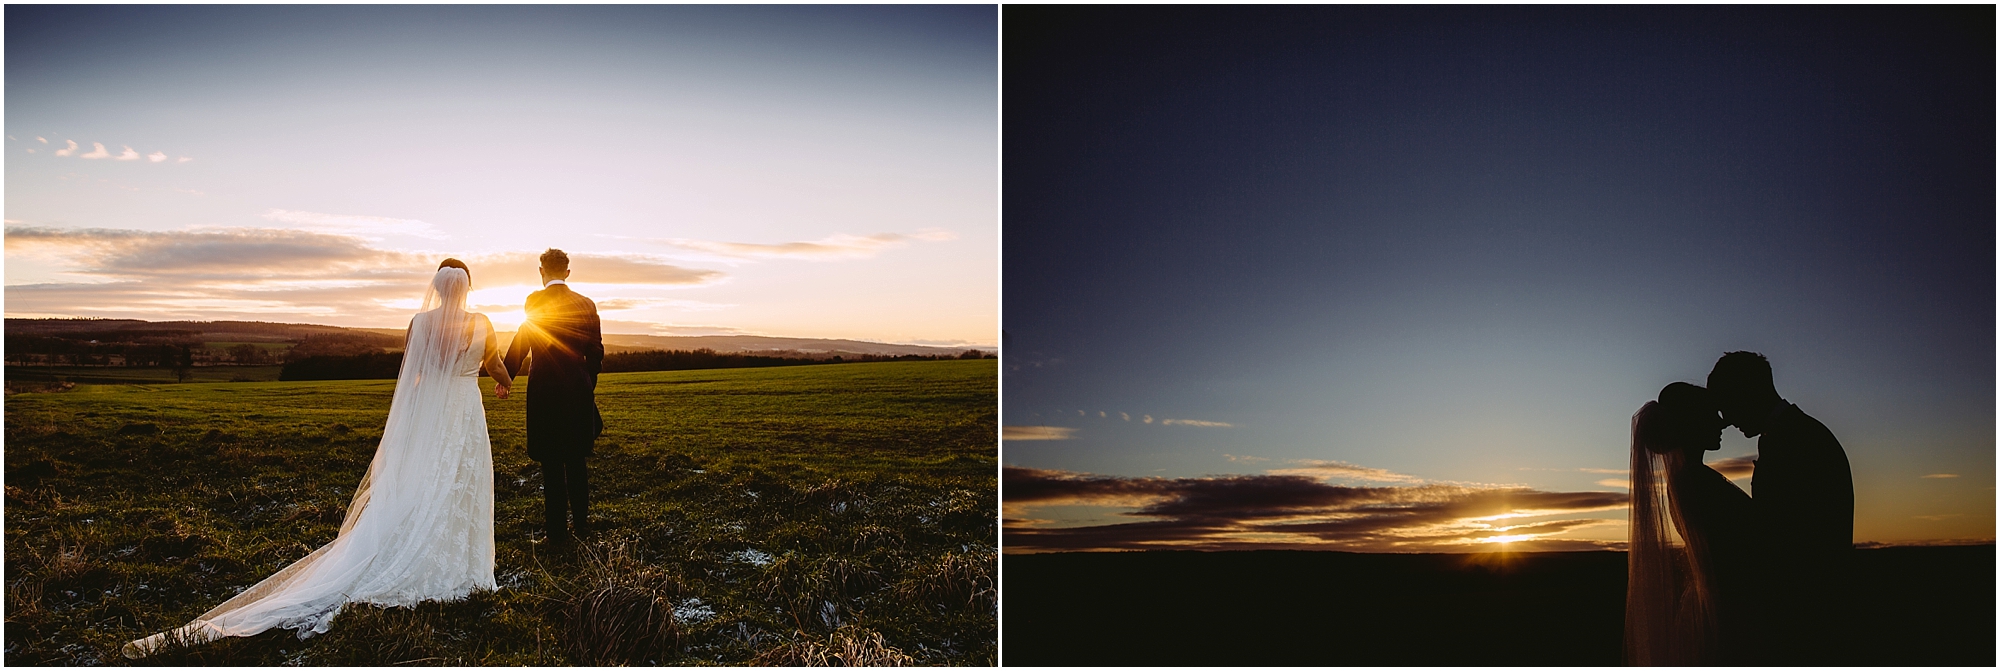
(420, 527)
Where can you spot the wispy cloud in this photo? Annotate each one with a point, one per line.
(1942, 475)
(1196, 422)
(836, 247)
(1148, 419)
(1036, 432)
(1294, 511)
(1339, 470)
(1239, 457)
(98, 151)
(356, 224)
(270, 274)
(1615, 482)
(183, 159)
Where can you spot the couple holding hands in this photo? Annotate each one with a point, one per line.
(420, 526)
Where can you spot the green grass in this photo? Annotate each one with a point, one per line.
(870, 488)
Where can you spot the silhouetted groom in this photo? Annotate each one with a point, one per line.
(1803, 493)
(565, 349)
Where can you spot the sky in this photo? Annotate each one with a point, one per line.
(789, 171)
(1396, 279)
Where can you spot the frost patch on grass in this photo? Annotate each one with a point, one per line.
(752, 556)
(693, 610)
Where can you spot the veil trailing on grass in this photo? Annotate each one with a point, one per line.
(420, 526)
(1669, 591)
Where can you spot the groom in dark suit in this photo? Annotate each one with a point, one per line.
(565, 351)
(1803, 493)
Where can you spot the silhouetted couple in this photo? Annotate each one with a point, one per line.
(1717, 576)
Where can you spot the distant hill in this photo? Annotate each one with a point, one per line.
(215, 331)
(236, 331)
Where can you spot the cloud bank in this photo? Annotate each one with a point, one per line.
(1295, 512)
(270, 274)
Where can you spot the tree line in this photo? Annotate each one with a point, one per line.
(157, 348)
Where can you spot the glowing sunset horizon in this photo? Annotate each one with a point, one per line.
(1395, 279)
(818, 172)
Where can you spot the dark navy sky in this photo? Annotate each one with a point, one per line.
(1466, 243)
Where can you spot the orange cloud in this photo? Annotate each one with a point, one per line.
(1296, 511)
(1036, 432)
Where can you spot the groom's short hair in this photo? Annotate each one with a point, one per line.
(555, 260)
(1742, 374)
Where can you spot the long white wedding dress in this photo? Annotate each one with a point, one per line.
(420, 527)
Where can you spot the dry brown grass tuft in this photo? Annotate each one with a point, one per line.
(624, 614)
(847, 646)
(67, 563)
(24, 600)
(956, 579)
(835, 496)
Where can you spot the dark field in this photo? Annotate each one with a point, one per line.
(788, 516)
(1917, 606)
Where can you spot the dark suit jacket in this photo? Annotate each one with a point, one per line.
(565, 349)
(1804, 493)
(1802, 485)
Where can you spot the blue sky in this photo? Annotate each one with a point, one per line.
(1459, 247)
(799, 171)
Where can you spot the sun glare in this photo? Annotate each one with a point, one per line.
(507, 321)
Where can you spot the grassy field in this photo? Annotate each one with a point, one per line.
(805, 515)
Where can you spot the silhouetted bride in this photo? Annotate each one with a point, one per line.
(421, 524)
(1689, 593)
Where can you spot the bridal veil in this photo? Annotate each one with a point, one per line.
(1669, 591)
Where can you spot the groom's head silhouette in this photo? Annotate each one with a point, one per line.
(1741, 383)
(555, 266)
